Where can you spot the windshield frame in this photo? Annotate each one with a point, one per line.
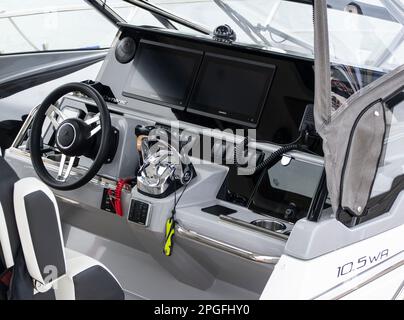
(169, 16)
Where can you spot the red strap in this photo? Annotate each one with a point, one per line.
(118, 191)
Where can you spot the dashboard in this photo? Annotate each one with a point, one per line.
(230, 89)
(199, 81)
(205, 82)
(153, 77)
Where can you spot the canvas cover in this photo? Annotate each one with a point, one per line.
(353, 135)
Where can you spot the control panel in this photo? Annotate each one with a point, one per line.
(139, 212)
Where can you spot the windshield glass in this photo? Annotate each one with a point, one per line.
(44, 25)
(367, 33)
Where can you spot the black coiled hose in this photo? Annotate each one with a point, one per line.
(268, 162)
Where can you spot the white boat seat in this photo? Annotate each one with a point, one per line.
(32, 245)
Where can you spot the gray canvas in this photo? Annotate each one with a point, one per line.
(322, 95)
(336, 135)
(335, 128)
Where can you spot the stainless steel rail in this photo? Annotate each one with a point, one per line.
(244, 224)
(192, 235)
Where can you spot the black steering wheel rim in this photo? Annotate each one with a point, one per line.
(36, 132)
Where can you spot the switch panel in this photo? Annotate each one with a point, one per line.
(139, 212)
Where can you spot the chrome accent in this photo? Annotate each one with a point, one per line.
(192, 235)
(95, 131)
(163, 165)
(248, 225)
(98, 180)
(285, 161)
(61, 165)
(53, 109)
(74, 137)
(270, 225)
(92, 120)
(156, 174)
(20, 136)
(63, 177)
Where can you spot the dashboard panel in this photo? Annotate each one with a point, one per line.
(203, 83)
(217, 86)
(269, 92)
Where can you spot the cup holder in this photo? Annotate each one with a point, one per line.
(271, 225)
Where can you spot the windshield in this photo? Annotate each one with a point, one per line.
(367, 33)
(44, 25)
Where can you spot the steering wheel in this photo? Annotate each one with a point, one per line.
(73, 137)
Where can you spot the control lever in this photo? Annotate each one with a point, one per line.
(141, 130)
(142, 144)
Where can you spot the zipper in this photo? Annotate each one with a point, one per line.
(348, 152)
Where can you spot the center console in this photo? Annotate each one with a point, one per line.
(211, 94)
(204, 85)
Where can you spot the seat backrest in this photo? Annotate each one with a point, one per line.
(29, 219)
(9, 238)
(40, 230)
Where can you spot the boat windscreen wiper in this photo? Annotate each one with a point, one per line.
(255, 32)
(168, 15)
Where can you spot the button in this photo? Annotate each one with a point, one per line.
(143, 218)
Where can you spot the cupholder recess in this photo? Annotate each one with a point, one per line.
(270, 225)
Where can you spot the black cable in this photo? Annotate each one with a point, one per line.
(256, 186)
(176, 201)
(275, 157)
(295, 145)
(269, 163)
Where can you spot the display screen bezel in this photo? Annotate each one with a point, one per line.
(171, 102)
(233, 117)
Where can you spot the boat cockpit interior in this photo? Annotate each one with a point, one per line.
(184, 166)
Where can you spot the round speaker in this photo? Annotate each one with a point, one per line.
(125, 50)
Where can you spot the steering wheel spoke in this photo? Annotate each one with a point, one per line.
(51, 113)
(63, 174)
(94, 120)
